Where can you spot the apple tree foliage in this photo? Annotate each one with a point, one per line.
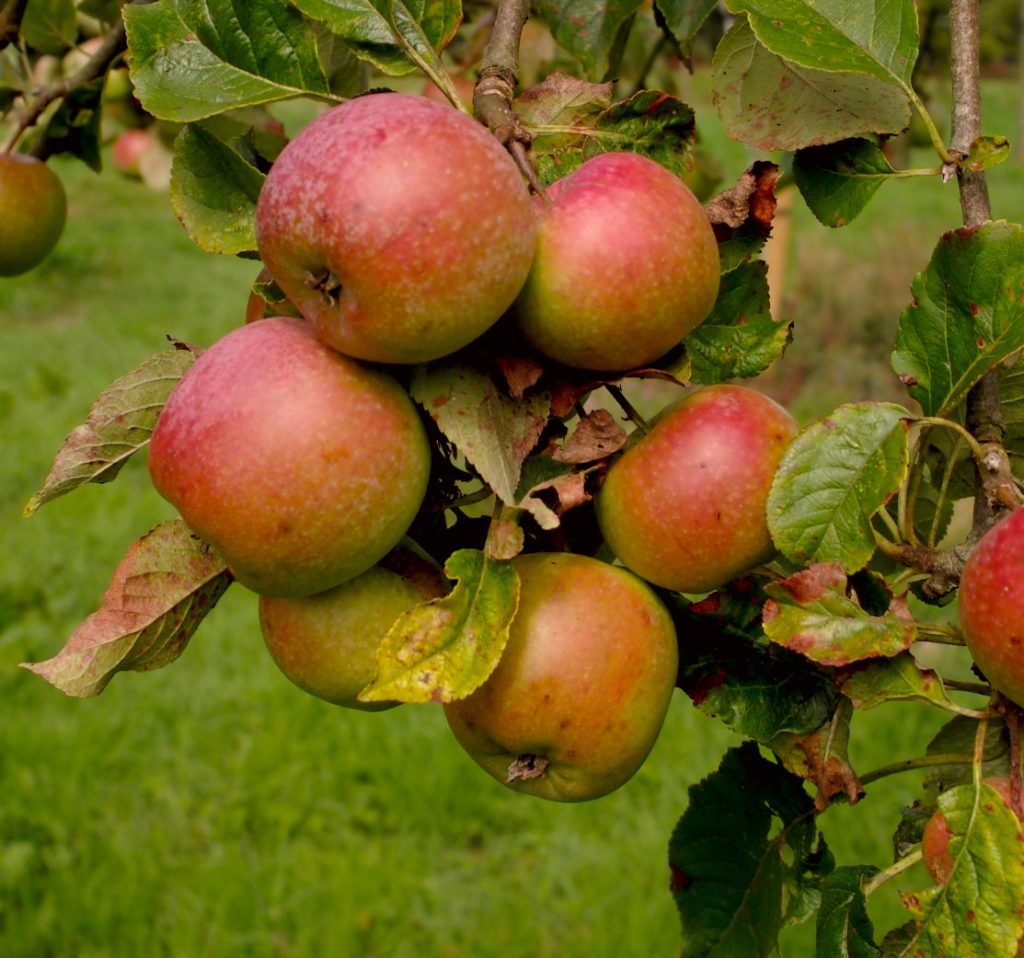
(862, 509)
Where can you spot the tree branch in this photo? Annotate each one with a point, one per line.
(10, 21)
(496, 86)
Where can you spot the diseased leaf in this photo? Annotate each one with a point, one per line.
(214, 191)
(732, 865)
(773, 103)
(874, 682)
(835, 475)
(119, 423)
(548, 501)
(191, 59)
(163, 588)
(492, 430)
(591, 30)
(978, 911)
(596, 436)
(839, 180)
(564, 101)
(443, 650)
(844, 929)
(742, 215)
(966, 316)
(811, 613)
(739, 339)
(391, 34)
(986, 152)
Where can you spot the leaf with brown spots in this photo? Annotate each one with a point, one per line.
(596, 436)
(163, 588)
(443, 650)
(873, 682)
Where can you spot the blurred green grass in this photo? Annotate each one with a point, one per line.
(213, 809)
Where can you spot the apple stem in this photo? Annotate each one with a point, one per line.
(897, 868)
(527, 766)
(627, 407)
(931, 761)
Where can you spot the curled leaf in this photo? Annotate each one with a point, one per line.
(162, 589)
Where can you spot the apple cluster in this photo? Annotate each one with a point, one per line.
(400, 231)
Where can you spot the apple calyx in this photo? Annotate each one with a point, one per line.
(527, 766)
(326, 283)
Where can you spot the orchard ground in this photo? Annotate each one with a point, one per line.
(215, 809)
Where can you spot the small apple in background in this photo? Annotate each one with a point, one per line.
(626, 265)
(684, 505)
(128, 150)
(400, 228)
(33, 210)
(581, 691)
(300, 466)
(991, 603)
(326, 644)
(935, 838)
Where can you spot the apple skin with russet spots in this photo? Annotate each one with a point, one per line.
(684, 505)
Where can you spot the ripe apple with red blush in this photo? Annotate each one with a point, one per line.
(300, 466)
(684, 505)
(581, 691)
(626, 265)
(33, 210)
(399, 227)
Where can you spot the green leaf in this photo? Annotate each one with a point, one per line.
(811, 613)
(50, 26)
(835, 475)
(899, 678)
(977, 913)
(839, 180)
(772, 103)
(986, 152)
(119, 423)
(161, 591)
(214, 192)
(491, 429)
(393, 36)
(739, 339)
(966, 316)
(956, 738)
(591, 30)
(563, 101)
(874, 37)
(191, 59)
(843, 928)
(74, 126)
(683, 18)
(730, 862)
(443, 650)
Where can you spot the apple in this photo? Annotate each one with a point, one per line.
(326, 643)
(626, 265)
(581, 691)
(935, 838)
(33, 209)
(300, 466)
(399, 227)
(684, 505)
(991, 601)
(128, 150)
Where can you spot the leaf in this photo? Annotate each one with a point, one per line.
(898, 678)
(986, 152)
(589, 29)
(74, 126)
(839, 180)
(214, 192)
(811, 613)
(119, 423)
(596, 436)
(492, 430)
(956, 738)
(390, 34)
(977, 913)
(564, 101)
(834, 476)
(730, 862)
(742, 215)
(49, 26)
(875, 37)
(843, 928)
(443, 650)
(739, 338)
(966, 316)
(162, 589)
(683, 18)
(772, 103)
(191, 59)
(548, 501)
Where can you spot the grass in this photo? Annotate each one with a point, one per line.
(213, 809)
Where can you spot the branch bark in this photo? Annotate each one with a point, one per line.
(10, 21)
